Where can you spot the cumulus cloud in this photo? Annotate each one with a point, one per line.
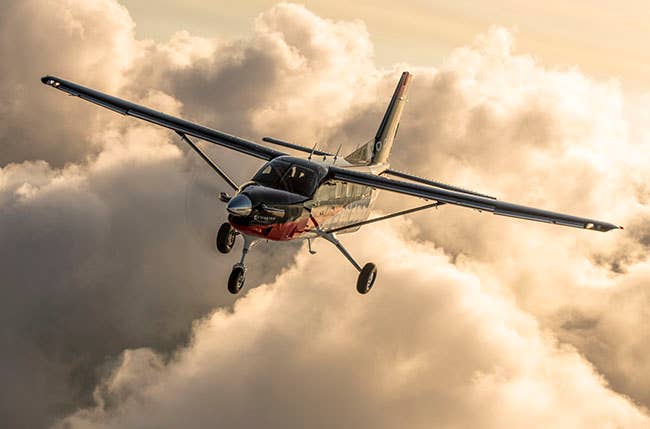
(98, 258)
(297, 76)
(90, 41)
(106, 231)
(554, 139)
(501, 123)
(114, 249)
(428, 346)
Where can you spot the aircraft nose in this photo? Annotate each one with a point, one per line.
(240, 205)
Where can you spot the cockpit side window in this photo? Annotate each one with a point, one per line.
(270, 174)
(303, 181)
(289, 177)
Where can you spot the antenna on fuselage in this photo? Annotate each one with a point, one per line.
(336, 155)
(312, 151)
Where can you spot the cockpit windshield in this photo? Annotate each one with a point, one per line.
(288, 176)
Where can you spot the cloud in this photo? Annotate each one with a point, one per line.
(98, 258)
(501, 123)
(296, 76)
(505, 125)
(106, 229)
(428, 346)
(89, 41)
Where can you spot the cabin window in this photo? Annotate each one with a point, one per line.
(326, 192)
(340, 190)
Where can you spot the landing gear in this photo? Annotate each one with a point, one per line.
(226, 238)
(366, 278)
(367, 274)
(238, 273)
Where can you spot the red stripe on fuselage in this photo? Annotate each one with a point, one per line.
(277, 231)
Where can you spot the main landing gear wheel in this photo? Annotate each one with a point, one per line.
(236, 279)
(226, 238)
(366, 278)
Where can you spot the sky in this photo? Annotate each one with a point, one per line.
(113, 303)
(604, 39)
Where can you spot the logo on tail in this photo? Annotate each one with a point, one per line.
(377, 150)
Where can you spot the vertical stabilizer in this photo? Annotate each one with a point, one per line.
(389, 125)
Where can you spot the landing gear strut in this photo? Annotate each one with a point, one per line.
(238, 273)
(367, 274)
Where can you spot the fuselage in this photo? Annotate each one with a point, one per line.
(291, 198)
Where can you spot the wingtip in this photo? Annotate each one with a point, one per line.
(50, 80)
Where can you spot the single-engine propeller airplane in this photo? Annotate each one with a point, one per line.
(322, 195)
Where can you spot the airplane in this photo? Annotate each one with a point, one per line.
(322, 195)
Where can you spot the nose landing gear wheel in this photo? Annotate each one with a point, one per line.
(366, 278)
(236, 279)
(226, 238)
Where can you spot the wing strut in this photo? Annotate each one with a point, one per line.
(207, 159)
(377, 219)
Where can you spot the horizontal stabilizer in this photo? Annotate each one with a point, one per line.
(296, 146)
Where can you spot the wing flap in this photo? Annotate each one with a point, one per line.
(128, 108)
(477, 202)
(433, 183)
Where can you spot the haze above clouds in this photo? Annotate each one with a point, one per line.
(115, 312)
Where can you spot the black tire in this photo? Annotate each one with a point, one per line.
(236, 279)
(226, 238)
(367, 278)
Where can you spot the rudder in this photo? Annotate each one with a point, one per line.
(390, 123)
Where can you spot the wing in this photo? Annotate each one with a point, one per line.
(465, 199)
(179, 125)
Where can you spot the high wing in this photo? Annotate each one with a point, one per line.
(181, 126)
(465, 199)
